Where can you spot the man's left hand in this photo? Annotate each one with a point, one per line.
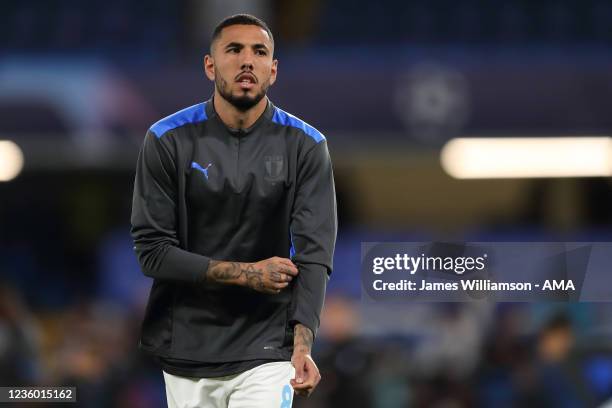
(306, 373)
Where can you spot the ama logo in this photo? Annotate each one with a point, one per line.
(552, 284)
(203, 170)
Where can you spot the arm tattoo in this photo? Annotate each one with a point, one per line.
(223, 272)
(237, 273)
(302, 338)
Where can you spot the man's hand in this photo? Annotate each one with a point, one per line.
(268, 276)
(306, 372)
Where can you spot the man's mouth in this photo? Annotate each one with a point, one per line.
(246, 80)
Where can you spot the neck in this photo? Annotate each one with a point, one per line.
(235, 118)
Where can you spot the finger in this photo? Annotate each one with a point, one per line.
(307, 386)
(311, 372)
(289, 270)
(287, 262)
(284, 260)
(300, 387)
(304, 386)
(301, 390)
(299, 370)
(278, 270)
(272, 290)
(280, 285)
(280, 277)
(276, 276)
(303, 393)
(308, 377)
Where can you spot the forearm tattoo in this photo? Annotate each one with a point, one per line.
(235, 273)
(223, 272)
(302, 338)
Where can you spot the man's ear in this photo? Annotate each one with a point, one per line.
(209, 67)
(273, 72)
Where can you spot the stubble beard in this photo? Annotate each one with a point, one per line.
(242, 102)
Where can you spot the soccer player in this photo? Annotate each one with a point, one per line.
(234, 216)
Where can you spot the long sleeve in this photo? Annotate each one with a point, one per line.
(154, 216)
(313, 235)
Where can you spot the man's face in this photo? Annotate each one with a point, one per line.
(241, 65)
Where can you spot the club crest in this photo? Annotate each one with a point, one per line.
(274, 167)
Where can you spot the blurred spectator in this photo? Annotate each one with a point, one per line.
(94, 351)
(452, 347)
(344, 360)
(555, 340)
(557, 383)
(19, 341)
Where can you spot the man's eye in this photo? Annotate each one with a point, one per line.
(233, 50)
(261, 52)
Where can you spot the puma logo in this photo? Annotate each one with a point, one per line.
(204, 171)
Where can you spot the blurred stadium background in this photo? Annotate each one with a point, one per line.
(389, 83)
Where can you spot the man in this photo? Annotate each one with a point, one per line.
(234, 216)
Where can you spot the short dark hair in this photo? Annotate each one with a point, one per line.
(240, 19)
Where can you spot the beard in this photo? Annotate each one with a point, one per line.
(242, 102)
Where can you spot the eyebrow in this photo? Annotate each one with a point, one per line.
(257, 46)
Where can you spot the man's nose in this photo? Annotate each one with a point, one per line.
(246, 66)
(247, 61)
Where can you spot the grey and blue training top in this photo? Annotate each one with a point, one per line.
(204, 191)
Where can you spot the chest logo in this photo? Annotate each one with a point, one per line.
(203, 170)
(274, 167)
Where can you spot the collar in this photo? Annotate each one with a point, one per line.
(265, 116)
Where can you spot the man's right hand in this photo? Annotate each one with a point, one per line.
(268, 276)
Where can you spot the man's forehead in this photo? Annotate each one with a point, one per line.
(244, 34)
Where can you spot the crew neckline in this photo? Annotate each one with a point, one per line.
(212, 113)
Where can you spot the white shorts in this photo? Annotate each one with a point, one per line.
(266, 386)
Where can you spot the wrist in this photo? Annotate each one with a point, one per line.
(299, 349)
(302, 339)
(227, 273)
(242, 279)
